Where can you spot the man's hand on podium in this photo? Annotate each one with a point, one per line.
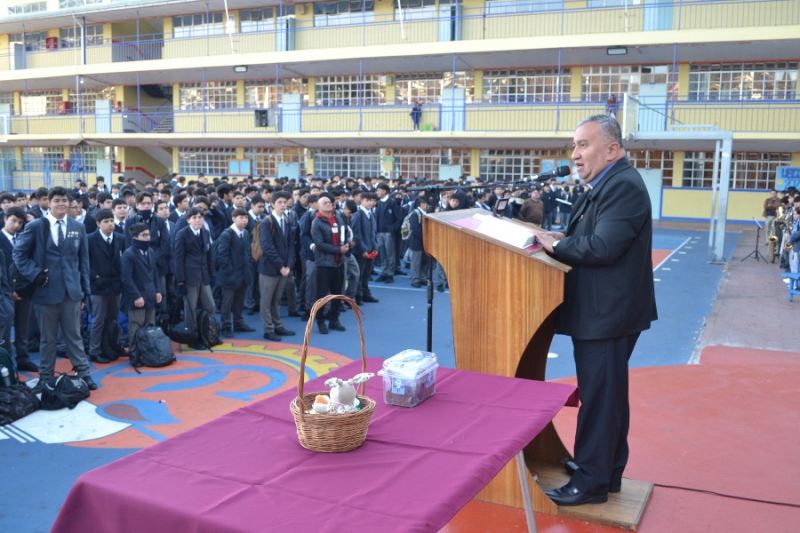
(548, 238)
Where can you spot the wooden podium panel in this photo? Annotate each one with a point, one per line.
(503, 301)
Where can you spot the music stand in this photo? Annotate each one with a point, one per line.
(755, 253)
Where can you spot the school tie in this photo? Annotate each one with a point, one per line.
(14, 240)
(109, 241)
(60, 233)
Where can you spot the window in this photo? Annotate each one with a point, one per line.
(206, 160)
(531, 85)
(414, 9)
(260, 94)
(266, 160)
(743, 81)
(41, 102)
(348, 90)
(427, 87)
(84, 158)
(8, 98)
(343, 12)
(30, 7)
(215, 95)
(653, 159)
(599, 83)
(64, 4)
(33, 40)
(71, 37)
(425, 162)
(510, 165)
(85, 101)
(40, 158)
(502, 7)
(354, 162)
(749, 170)
(251, 20)
(198, 25)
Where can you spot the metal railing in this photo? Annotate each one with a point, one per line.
(471, 23)
(776, 117)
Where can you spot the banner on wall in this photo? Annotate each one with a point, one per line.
(787, 177)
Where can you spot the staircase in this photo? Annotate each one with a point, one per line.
(165, 126)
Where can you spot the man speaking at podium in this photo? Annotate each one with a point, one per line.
(609, 299)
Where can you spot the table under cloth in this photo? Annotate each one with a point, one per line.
(246, 471)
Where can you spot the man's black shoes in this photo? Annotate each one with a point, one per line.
(244, 329)
(90, 382)
(569, 495)
(322, 327)
(370, 299)
(382, 277)
(285, 332)
(27, 366)
(389, 279)
(227, 333)
(336, 325)
(272, 337)
(39, 387)
(440, 288)
(416, 284)
(571, 468)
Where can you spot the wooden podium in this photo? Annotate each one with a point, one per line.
(503, 300)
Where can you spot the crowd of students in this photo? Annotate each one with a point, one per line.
(231, 246)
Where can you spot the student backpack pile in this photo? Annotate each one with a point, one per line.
(151, 347)
(208, 329)
(17, 400)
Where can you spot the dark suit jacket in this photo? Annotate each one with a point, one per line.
(159, 240)
(139, 279)
(89, 224)
(68, 268)
(105, 267)
(220, 217)
(7, 307)
(184, 223)
(415, 239)
(193, 261)
(364, 232)
(277, 247)
(233, 260)
(389, 216)
(609, 292)
(8, 250)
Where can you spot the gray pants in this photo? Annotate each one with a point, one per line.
(386, 253)
(105, 310)
(66, 314)
(271, 291)
(352, 276)
(439, 277)
(22, 317)
(197, 295)
(137, 319)
(291, 293)
(310, 276)
(418, 274)
(233, 302)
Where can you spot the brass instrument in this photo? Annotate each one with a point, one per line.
(782, 225)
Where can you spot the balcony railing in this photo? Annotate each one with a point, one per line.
(471, 24)
(769, 117)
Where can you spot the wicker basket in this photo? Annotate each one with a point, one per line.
(330, 433)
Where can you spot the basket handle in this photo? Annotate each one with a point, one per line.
(310, 326)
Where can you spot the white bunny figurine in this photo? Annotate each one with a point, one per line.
(344, 392)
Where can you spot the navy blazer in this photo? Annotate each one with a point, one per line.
(7, 308)
(220, 217)
(68, 268)
(159, 240)
(139, 279)
(389, 216)
(277, 247)
(192, 258)
(8, 249)
(610, 291)
(233, 260)
(415, 239)
(305, 235)
(364, 232)
(183, 222)
(105, 267)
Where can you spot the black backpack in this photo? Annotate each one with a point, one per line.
(151, 347)
(67, 391)
(208, 329)
(111, 343)
(16, 401)
(5, 362)
(182, 335)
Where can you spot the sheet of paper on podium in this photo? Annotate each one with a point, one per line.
(505, 231)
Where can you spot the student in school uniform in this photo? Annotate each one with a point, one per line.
(194, 266)
(105, 279)
(234, 272)
(141, 288)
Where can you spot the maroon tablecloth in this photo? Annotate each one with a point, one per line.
(246, 471)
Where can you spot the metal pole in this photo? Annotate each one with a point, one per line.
(360, 93)
(714, 198)
(558, 92)
(138, 101)
(672, 88)
(83, 40)
(724, 182)
(205, 95)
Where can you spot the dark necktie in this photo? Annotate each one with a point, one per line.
(109, 241)
(60, 233)
(14, 240)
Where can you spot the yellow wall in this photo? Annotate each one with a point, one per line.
(168, 28)
(677, 169)
(475, 162)
(478, 86)
(795, 159)
(135, 157)
(684, 70)
(576, 84)
(312, 91)
(696, 204)
(777, 117)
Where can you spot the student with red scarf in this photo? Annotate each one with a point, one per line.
(328, 233)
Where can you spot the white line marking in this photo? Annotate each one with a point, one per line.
(672, 253)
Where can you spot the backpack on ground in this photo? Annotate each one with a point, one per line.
(208, 329)
(151, 347)
(255, 245)
(405, 229)
(16, 401)
(181, 334)
(111, 343)
(8, 377)
(67, 391)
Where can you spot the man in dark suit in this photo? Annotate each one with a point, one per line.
(52, 253)
(419, 275)
(159, 238)
(255, 216)
(221, 210)
(274, 267)
(13, 225)
(120, 210)
(181, 202)
(366, 245)
(105, 272)
(141, 291)
(609, 299)
(77, 212)
(234, 272)
(194, 266)
(389, 218)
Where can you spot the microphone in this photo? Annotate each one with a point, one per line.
(558, 172)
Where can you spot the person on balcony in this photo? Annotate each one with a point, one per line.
(611, 106)
(416, 114)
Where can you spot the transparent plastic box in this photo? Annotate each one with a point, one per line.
(409, 378)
